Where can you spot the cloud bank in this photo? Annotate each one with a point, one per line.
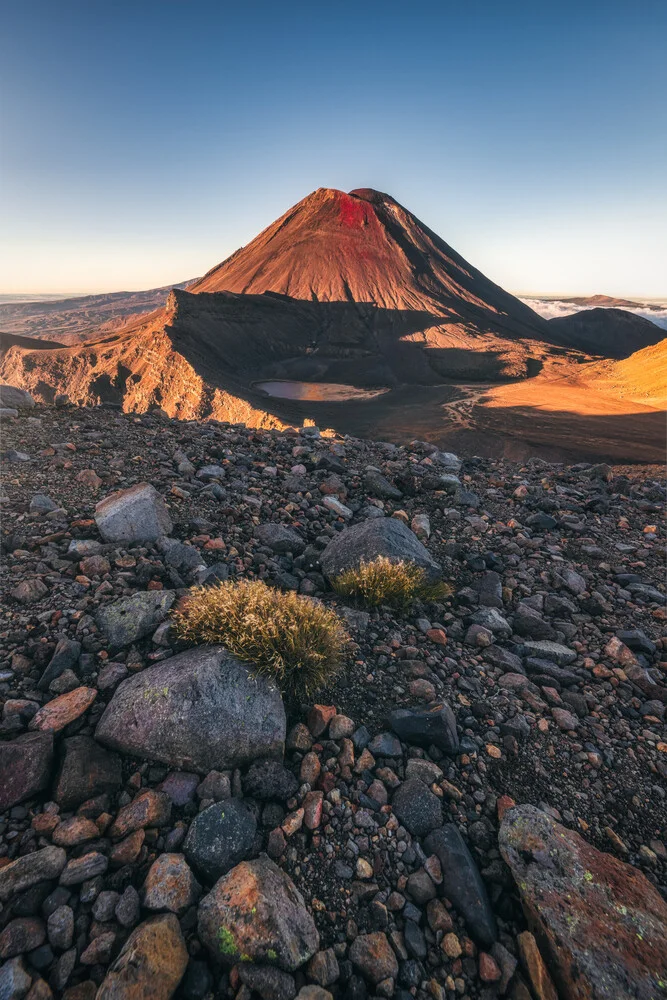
(656, 312)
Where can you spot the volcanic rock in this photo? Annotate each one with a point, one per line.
(131, 618)
(25, 767)
(418, 809)
(170, 885)
(256, 911)
(462, 884)
(15, 399)
(138, 514)
(600, 921)
(87, 770)
(364, 542)
(220, 837)
(31, 869)
(150, 965)
(425, 727)
(201, 710)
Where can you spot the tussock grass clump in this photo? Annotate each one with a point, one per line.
(385, 582)
(297, 642)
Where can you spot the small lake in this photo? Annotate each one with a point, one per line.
(320, 392)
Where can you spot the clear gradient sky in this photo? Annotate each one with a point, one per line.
(142, 142)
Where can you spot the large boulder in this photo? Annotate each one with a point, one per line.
(25, 767)
(131, 618)
(600, 923)
(201, 710)
(151, 963)
(255, 913)
(386, 536)
(14, 398)
(462, 883)
(138, 514)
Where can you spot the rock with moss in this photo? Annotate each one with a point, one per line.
(255, 913)
(201, 710)
(600, 922)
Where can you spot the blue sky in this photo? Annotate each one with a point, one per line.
(142, 142)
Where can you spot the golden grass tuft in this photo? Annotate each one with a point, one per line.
(297, 642)
(385, 582)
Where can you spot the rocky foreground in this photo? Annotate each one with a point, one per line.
(474, 808)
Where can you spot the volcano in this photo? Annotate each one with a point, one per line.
(344, 290)
(363, 247)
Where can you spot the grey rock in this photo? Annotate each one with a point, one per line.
(66, 656)
(280, 538)
(490, 590)
(378, 486)
(269, 779)
(503, 659)
(425, 727)
(201, 710)
(268, 982)
(387, 537)
(462, 883)
(79, 870)
(138, 514)
(529, 623)
(15, 979)
(492, 619)
(553, 651)
(41, 504)
(131, 618)
(25, 767)
(60, 927)
(219, 837)
(14, 398)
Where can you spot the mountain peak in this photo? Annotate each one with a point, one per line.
(363, 246)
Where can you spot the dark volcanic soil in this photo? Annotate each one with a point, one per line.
(572, 554)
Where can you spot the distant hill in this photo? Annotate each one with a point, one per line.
(73, 320)
(612, 333)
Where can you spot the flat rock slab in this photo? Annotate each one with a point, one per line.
(553, 651)
(25, 767)
(255, 913)
(601, 925)
(138, 514)
(131, 618)
(57, 714)
(364, 542)
(201, 710)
